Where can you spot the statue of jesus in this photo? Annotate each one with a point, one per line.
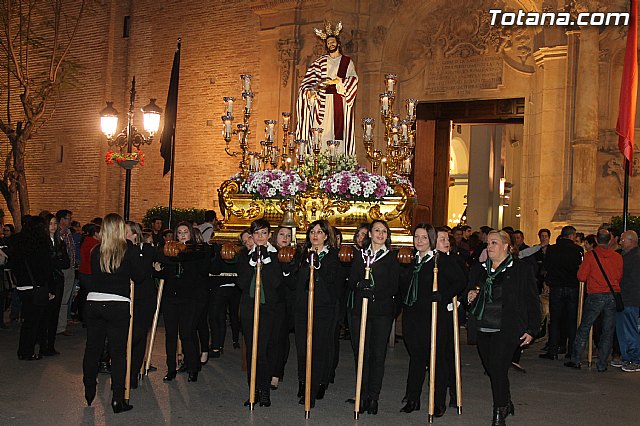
(327, 94)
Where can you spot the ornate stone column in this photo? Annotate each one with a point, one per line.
(585, 134)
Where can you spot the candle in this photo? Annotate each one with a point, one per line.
(384, 99)
(411, 108)
(391, 82)
(248, 96)
(407, 165)
(246, 82)
(395, 120)
(301, 144)
(410, 142)
(226, 126)
(405, 129)
(229, 100)
(274, 155)
(270, 129)
(286, 116)
(367, 124)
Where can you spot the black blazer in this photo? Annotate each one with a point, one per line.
(118, 282)
(451, 282)
(271, 279)
(185, 275)
(386, 274)
(146, 289)
(328, 280)
(520, 302)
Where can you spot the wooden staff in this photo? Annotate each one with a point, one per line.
(127, 379)
(307, 383)
(154, 327)
(256, 324)
(432, 355)
(456, 349)
(363, 331)
(580, 310)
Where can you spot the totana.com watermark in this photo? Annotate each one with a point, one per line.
(499, 17)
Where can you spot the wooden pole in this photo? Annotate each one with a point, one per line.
(361, 342)
(127, 379)
(456, 349)
(432, 355)
(154, 327)
(580, 310)
(307, 383)
(254, 343)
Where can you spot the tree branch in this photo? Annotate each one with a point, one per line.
(70, 42)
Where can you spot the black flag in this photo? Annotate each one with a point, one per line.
(167, 139)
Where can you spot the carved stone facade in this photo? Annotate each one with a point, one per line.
(441, 51)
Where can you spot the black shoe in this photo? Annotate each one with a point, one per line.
(32, 357)
(182, 368)
(313, 402)
(152, 368)
(602, 370)
(562, 350)
(236, 345)
(439, 410)
(193, 377)
(105, 368)
(206, 356)
(133, 382)
(321, 390)
(49, 352)
(511, 409)
(265, 398)
(404, 399)
(548, 355)
(373, 406)
(215, 353)
(300, 389)
(499, 414)
(572, 364)
(350, 401)
(120, 406)
(411, 406)
(365, 404)
(170, 376)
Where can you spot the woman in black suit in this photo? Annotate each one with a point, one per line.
(185, 273)
(271, 279)
(30, 261)
(114, 263)
(417, 296)
(381, 290)
(503, 298)
(327, 282)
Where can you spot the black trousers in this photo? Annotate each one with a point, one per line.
(375, 351)
(81, 297)
(278, 351)
(201, 330)
(416, 331)
(143, 311)
(32, 325)
(225, 298)
(496, 351)
(563, 317)
(106, 319)
(47, 336)
(321, 351)
(179, 320)
(265, 334)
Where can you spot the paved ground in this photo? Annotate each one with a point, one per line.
(50, 392)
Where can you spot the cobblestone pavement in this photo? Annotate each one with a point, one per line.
(50, 392)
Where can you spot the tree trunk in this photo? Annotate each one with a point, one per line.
(20, 175)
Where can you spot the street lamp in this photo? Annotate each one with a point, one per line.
(130, 136)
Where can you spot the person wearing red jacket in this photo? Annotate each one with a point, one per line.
(598, 262)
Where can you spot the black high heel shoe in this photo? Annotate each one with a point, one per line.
(193, 377)
(170, 376)
(373, 406)
(365, 405)
(265, 398)
(300, 389)
(321, 390)
(120, 406)
(410, 407)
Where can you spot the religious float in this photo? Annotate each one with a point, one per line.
(311, 177)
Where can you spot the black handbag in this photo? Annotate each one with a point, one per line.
(616, 296)
(40, 293)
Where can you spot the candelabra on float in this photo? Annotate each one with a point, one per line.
(398, 133)
(242, 130)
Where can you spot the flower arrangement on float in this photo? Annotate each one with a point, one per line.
(273, 183)
(356, 185)
(343, 162)
(116, 157)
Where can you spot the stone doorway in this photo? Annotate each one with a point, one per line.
(482, 171)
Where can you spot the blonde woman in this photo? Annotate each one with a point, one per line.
(114, 263)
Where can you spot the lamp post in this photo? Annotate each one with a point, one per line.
(130, 137)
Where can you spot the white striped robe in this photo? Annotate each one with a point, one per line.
(322, 69)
